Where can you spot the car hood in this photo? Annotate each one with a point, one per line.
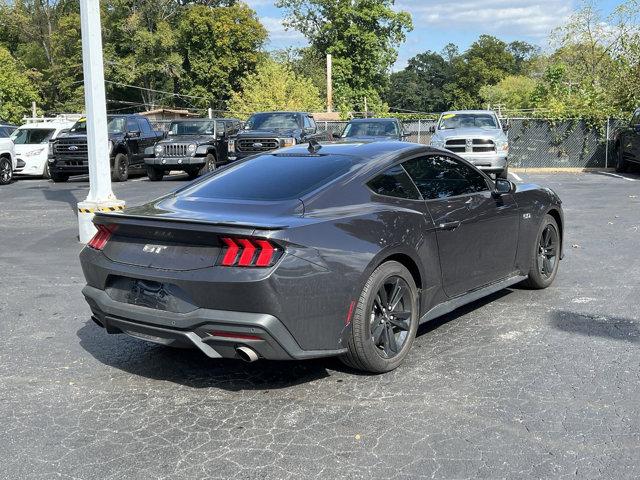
(187, 139)
(470, 133)
(82, 138)
(268, 133)
(30, 147)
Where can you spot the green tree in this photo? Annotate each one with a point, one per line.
(17, 90)
(514, 93)
(362, 36)
(274, 86)
(220, 46)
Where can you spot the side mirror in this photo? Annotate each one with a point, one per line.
(405, 135)
(505, 127)
(133, 134)
(432, 129)
(503, 187)
(335, 135)
(637, 128)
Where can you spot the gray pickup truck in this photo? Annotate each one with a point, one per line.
(475, 135)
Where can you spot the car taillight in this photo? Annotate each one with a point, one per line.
(101, 237)
(248, 252)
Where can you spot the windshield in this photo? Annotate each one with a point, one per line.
(371, 129)
(289, 177)
(467, 120)
(31, 136)
(272, 121)
(114, 125)
(191, 128)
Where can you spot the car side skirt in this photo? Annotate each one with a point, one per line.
(472, 296)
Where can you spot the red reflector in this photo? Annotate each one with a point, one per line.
(232, 252)
(266, 253)
(350, 313)
(248, 249)
(240, 336)
(101, 237)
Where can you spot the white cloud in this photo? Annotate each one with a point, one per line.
(510, 17)
(278, 33)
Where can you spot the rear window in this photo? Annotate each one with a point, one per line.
(32, 136)
(272, 177)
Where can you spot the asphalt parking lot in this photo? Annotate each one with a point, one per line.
(524, 384)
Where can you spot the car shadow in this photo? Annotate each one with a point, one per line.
(594, 325)
(191, 368)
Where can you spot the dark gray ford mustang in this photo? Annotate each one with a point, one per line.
(339, 249)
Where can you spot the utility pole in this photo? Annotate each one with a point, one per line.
(366, 108)
(210, 112)
(100, 197)
(34, 111)
(329, 83)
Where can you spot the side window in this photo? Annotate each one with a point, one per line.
(307, 123)
(145, 126)
(312, 123)
(439, 176)
(394, 182)
(132, 125)
(221, 126)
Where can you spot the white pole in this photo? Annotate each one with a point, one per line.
(606, 148)
(329, 83)
(210, 112)
(419, 130)
(34, 111)
(100, 195)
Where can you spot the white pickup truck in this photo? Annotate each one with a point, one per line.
(475, 135)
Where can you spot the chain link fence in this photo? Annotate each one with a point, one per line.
(534, 143)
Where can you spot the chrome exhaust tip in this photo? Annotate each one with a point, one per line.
(247, 354)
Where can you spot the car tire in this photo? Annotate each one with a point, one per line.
(621, 164)
(209, 164)
(6, 171)
(380, 340)
(192, 173)
(59, 177)
(120, 171)
(46, 173)
(154, 174)
(543, 272)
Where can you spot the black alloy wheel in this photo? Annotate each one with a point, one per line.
(385, 320)
(548, 251)
(391, 317)
(6, 171)
(545, 257)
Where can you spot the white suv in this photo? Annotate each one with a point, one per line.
(7, 160)
(32, 145)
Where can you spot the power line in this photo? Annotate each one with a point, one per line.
(156, 91)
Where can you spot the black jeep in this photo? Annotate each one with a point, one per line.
(129, 137)
(195, 146)
(627, 144)
(267, 131)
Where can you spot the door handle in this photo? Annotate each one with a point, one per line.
(449, 225)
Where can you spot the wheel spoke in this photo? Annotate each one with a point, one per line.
(396, 295)
(401, 323)
(383, 298)
(547, 266)
(393, 346)
(377, 333)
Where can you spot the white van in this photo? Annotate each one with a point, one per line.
(32, 144)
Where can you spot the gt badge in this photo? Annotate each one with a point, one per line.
(154, 248)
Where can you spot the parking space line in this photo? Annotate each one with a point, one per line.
(618, 176)
(517, 177)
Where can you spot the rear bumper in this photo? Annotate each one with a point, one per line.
(217, 333)
(175, 162)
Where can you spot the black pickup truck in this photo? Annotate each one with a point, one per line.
(195, 146)
(627, 142)
(129, 137)
(267, 131)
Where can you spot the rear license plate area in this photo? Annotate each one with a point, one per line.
(149, 294)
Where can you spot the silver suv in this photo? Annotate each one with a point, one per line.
(475, 135)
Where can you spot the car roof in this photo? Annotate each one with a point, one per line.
(47, 125)
(202, 119)
(365, 120)
(283, 111)
(457, 112)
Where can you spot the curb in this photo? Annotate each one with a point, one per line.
(560, 170)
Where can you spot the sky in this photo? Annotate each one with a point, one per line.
(439, 22)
